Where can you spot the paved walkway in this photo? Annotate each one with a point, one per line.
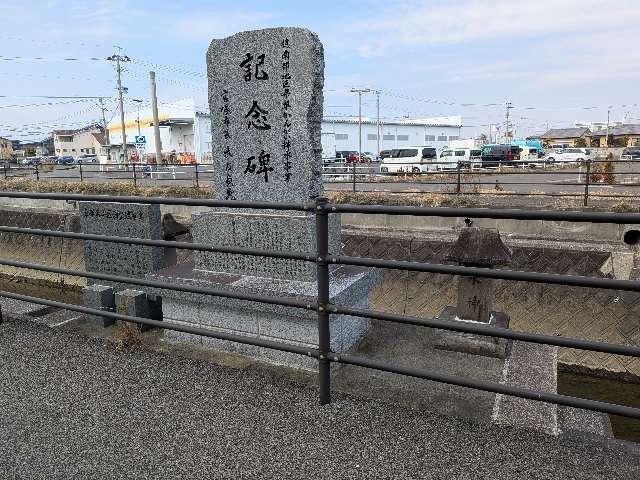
(75, 407)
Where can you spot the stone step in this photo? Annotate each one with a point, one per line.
(530, 366)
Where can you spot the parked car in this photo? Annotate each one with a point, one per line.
(368, 157)
(466, 157)
(87, 158)
(31, 161)
(65, 160)
(343, 155)
(355, 157)
(630, 153)
(410, 160)
(384, 154)
(500, 155)
(567, 155)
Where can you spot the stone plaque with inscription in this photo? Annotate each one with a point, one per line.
(265, 96)
(122, 220)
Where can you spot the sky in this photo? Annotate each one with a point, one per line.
(556, 61)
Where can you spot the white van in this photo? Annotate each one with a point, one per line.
(410, 160)
(467, 157)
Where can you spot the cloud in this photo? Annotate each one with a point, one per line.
(428, 24)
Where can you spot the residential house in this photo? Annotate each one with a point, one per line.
(74, 143)
(624, 135)
(566, 136)
(6, 149)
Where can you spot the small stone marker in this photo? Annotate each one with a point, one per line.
(478, 247)
(483, 248)
(100, 297)
(122, 220)
(265, 96)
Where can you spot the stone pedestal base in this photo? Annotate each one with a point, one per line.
(349, 286)
(468, 342)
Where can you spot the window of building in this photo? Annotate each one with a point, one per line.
(65, 138)
(93, 150)
(459, 153)
(453, 137)
(342, 136)
(388, 137)
(73, 149)
(403, 138)
(429, 138)
(372, 136)
(57, 150)
(64, 149)
(442, 138)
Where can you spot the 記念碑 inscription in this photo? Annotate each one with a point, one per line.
(265, 90)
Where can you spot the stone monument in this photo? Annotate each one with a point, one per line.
(265, 97)
(483, 248)
(134, 220)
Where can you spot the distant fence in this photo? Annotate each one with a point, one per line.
(580, 179)
(470, 178)
(323, 259)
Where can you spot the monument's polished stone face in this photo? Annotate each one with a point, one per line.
(265, 96)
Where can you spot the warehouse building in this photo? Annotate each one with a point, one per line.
(185, 129)
(344, 134)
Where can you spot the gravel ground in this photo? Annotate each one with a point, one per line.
(75, 407)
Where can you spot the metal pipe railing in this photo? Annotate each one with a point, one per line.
(321, 304)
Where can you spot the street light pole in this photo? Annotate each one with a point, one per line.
(138, 101)
(359, 91)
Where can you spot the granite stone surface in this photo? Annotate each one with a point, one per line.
(263, 231)
(124, 220)
(469, 342)
(265, 97)
(100, 297)
(349, 286)
(532, 366)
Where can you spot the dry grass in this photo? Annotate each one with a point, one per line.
(104, 188)
(126, 335)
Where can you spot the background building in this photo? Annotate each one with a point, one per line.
(6, 149)
(343, 134)
(185, 131)
(87, 140)
(566, 136)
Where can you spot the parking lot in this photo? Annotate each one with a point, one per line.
(553, 179)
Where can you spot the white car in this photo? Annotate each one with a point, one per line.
(567, 155)
(466, 157)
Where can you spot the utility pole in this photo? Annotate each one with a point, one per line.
(378, 121)
(507, 131)
(156, 121)
(103, 109)
(607, 137)
(116, 57)
(359, 91)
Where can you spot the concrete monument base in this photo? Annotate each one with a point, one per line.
(468, 342)
(348, 286)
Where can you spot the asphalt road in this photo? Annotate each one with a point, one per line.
(73, 407)
(550, 180)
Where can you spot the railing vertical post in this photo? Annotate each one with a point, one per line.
(5, 171)
(586, 183)
(354, 175)
(81, 172)
(458, 182)
(135, 180)
(197, 180)
(324, 335)
(37, 173)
